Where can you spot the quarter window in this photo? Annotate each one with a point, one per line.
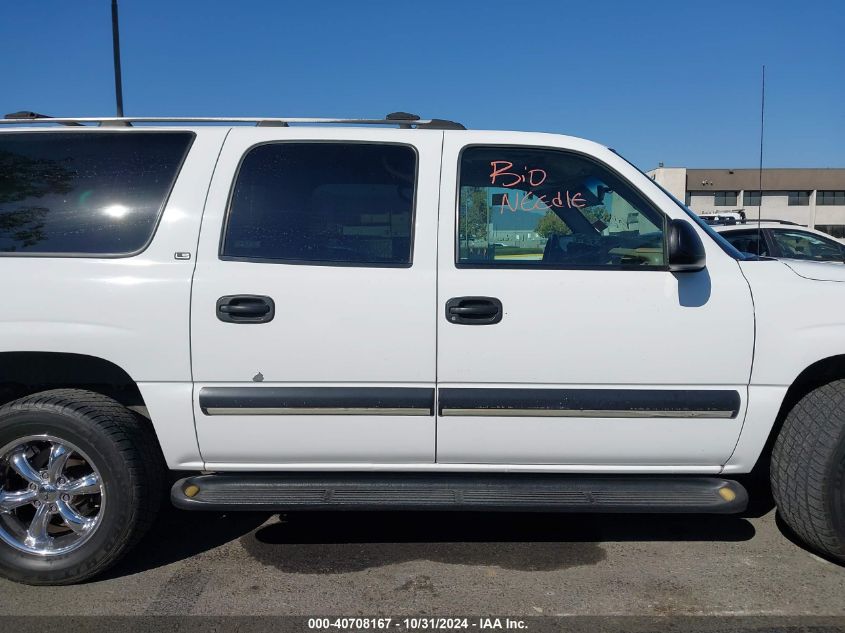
(725, 198)
(85, 193)
(324, 203)
(527, 207)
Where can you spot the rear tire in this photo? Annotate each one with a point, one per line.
(808, 470)
(108, 441)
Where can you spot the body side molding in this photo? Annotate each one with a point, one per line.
(589, 403)
(317, 401)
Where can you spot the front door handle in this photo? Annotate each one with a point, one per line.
(245, 309)
(474, 310)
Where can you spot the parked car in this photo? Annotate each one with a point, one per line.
(312, 318)
(783, 239)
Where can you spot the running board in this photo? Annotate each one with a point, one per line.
(423, 491)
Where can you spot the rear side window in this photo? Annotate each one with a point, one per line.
(85, 193)
(801, 245)
(323, 203)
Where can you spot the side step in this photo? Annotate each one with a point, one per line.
(458, 491)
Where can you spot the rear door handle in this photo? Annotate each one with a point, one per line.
(245, 309)
(474, 310)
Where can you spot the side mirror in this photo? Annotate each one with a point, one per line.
(686, 251)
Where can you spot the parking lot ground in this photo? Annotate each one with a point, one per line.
(453, 563)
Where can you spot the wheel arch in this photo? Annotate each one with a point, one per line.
(815, 375)
(23, 373)
(166, 408)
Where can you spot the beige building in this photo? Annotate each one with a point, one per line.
(813, 197)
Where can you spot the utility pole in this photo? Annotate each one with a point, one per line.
(118, 82)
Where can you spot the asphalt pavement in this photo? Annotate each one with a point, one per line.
(351, 564)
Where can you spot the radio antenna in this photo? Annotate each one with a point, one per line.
(760, 170)
(115, 40)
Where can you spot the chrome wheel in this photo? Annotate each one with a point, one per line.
(51, 496)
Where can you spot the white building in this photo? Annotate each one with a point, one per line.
(813, 197)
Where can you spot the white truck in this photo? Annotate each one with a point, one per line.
(386, 314)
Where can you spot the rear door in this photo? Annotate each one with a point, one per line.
(563, 339)
(313, 311)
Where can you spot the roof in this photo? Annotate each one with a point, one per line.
(777, 179)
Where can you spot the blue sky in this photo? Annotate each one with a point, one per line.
(675, 81)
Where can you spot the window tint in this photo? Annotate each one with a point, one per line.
(344, 203)
(527, 207)
(798, 198)
(747, 242)
(725, 198)
(91, 193)
(801, 245)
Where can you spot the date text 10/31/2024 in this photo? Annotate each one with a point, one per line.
(501, 175)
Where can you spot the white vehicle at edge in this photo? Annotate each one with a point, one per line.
(334, 316)
(785, 240)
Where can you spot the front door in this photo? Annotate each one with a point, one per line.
(313, 309)
(563, 340)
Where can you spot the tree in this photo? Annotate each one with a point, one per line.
(550, 224)
(597, 214)
(474, 213)
(23, 180)
(24, 226)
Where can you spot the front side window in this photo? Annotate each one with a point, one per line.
(534, 208)
(748, 242)
(798, 198)
(801, 245)
(85, 193)
(725, 198)
(323, 203)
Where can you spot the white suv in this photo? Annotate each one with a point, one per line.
(352, 316)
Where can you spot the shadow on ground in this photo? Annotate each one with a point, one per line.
(340, 542)
(177, 535)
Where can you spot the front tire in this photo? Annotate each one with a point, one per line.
(80, 483)
(808, 470)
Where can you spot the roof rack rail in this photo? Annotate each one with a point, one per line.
(400, 119)
(754, 221)
(728, 221)
(30, 116)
